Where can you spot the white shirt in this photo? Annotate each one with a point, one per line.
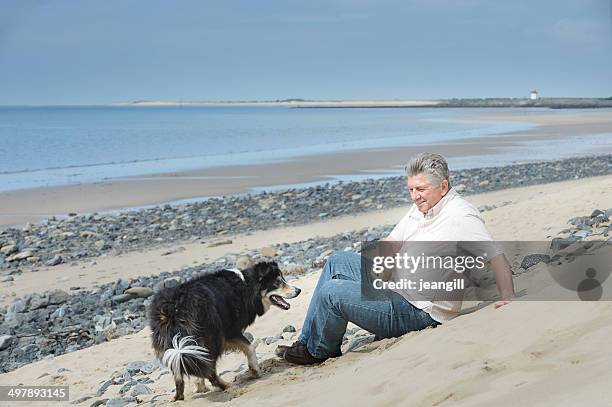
(451, 219)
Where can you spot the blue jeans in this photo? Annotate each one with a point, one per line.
(337, 300)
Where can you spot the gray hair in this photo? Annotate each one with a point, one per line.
(434, 166)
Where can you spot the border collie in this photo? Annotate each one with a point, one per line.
(194, 323)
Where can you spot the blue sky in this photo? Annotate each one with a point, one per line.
(106, 51)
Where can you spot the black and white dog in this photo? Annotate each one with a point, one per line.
(194, 323)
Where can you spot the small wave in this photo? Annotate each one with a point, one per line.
(67, 167)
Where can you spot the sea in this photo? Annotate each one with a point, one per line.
(52, 146)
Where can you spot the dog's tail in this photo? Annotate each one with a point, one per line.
(185, 357)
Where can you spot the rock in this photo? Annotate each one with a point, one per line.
(58, 296)
(127, 386)
(293, 269)
(244, 262)
(101, 245)
(289, 328)
(220, 243)
(597, 213)
(7, 250)
(359, 341)
(7, 279)
(459, 188)
(583, 233)
(268, 251)
(6, 341)
(326, 253)
(146, 367)
(104, 387)
(57, 259)
(362, 332)
(120, 286)
(140, 292)
(20, 256)
(559, 243)
(38, 301)
(170, 282)
(140, 389)
(81, 400)
(58, 313)
(532, 259)
(120, 401)
(98, 403)
(121, 298)
(18, 305)
(271, 339)
(249, 336)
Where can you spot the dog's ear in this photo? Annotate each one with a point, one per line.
(262, 269)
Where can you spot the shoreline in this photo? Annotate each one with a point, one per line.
(33, 205)
(552, 102)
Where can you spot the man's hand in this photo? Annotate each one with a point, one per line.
(502, 303)
(503, 278)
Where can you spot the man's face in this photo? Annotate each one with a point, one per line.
(424, 194)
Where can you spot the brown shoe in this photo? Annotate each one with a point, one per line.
(280, 349)
(298, 355)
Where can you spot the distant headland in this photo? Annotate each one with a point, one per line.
(552, 103)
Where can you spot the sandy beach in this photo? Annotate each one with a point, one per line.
(420, 189)
(32, 205)
(533, 352)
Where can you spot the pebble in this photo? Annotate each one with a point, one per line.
(359, 341)
(104, 387)
(220, 243)
(244, 262)
(81, 400)
(57, 259)
(141, 292)
(268, 251)
(58, 296)
(533, 259)
(120, 401)
(120, 298)
(6, 341)
(140, 389)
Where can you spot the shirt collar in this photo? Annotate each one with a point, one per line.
(435, 211)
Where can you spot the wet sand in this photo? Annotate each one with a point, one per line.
(32, 205)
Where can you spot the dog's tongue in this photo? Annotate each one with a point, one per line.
(280, 301)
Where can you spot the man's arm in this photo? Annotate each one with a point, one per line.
(503, 279)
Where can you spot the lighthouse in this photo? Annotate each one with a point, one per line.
(533, 95)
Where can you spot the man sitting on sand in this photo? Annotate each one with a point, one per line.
(439, 213)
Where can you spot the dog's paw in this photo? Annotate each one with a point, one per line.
(255, 373)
